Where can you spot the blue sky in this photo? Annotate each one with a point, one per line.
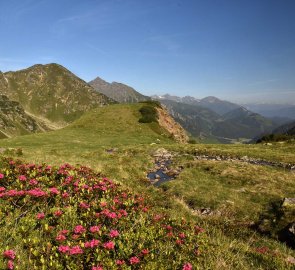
(240, 50)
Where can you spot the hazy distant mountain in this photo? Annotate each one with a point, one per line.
(204, 122)
(187, 99)
(242, 123)
(273, 110)
(117, 91)
(288, 129)
(197, 120)
(51, 92)
(219, 106)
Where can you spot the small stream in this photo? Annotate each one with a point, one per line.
(160, 176)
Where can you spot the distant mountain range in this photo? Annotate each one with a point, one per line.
(117, 91)
(216, 119)
(283, 111)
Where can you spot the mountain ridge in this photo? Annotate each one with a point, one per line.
(119, 92)
(52, 92)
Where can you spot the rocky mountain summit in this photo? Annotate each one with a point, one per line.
(119, 92)
(51, 92)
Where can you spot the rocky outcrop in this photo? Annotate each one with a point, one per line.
(279, 221)
(167, 122)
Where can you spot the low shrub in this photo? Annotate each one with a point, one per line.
(148, 114)
(73, 218)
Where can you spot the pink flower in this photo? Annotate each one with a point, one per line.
(182, 235)
(9, 254)
(97, 268)
(10, 265)
(22, 178)
(1, 175)
(198, 230)
(120, 262)
(64, 232)
(37, 192)
(145, 252)
(79, 229)
(179, 242)
(60, 237)
(187, 266)
(94, 229)
(75, 236)
(54, 191)
(2, 189)
(76, 250)
(63, 249)
(91, 244)
(65, 195)
(114, 233)
(103, 204)
(112, 215)
(84, 205)
(109, 245)
(58, 213)
(134, 260)
(33, 182)
(40, 215)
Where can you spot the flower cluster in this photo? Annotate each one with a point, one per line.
(72, 216)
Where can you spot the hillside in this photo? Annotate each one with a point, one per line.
(241, 123)
(119, 92)
(14, 121)
(51, 92)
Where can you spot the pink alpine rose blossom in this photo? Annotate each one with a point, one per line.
(91, 244)
(79, 229)
(10, 265)
(76, 250)
(54, 191)
(94, 229)
(97, 268)
(22, 178)
(134, 260)
(64, 249)
(187, 266)
(120, 262)
(109, 245)
(40, 215)
(9, 254)
(114, 233)
(60, 238)
(58, 213)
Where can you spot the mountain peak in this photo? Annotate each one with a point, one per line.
(119, 92)
(211, 99)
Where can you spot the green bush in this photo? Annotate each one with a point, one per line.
(149, 114)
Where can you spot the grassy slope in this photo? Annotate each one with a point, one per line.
(201, 184)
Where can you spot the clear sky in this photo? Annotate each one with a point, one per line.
(241, 50)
